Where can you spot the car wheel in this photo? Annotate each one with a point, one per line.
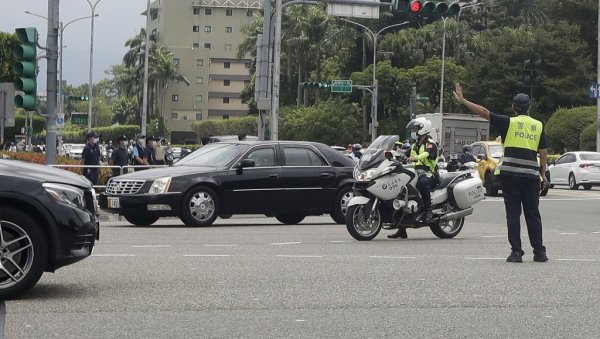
(587, 187)
(489, 185)
(290, 219)
(23, 253)
(572, 183)
(200, 207)
(340, 206)
(140, 219)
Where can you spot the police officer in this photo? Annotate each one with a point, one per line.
(91, 156)
(466, 157)
(425, 154)
(140, 153)
(522, 138)
(152, 144)
(120, 156)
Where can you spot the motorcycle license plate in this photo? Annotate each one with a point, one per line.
(114, 203)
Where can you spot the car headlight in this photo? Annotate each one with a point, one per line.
(160, 185)
(65, 194)
(365, 175)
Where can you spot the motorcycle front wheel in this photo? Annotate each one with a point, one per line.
(362, 227)
(448, 229)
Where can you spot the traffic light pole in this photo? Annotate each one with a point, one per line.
(51, 80)
(598, 79)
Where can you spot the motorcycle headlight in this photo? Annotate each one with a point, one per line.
(365, 175)
(160, 185)
(65, 194)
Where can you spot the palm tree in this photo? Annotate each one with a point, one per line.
(162, 72)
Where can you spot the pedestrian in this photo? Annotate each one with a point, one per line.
(120, 156)
(91, 156)
(140, 153)
(152, 142)
(160, 151)
(466, 157)
(523, 138)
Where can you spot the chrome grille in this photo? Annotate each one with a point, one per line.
(119, 187)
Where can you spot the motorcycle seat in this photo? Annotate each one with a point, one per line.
(446, 178)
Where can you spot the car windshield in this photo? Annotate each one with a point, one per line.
(77, 147)
(213, 155)
(590, 156)
(496, 151)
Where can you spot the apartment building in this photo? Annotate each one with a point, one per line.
(204, 36)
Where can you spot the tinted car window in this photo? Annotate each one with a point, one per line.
(335, 158)
(561, 160)
(571, 158)
(213, 155)
(590, 156)
(262, 157)
(496, 151)
(477, 150)
(296, 156)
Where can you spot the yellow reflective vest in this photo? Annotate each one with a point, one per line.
(520, 147)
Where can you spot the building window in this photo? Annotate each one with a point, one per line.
(247, 65)
(198, 116)
(207, 11)
(185, 117)
(196, 28)
(207, 46)
(227, 65)
(199, 80)
(225, 100)
(176, 61)
(225, 116)
(228, 29)
(227, 47)
(154, 15)
(155, 33)
(174, 116)
(207, 29)
(195, 45)
(175, 97)
(196, 11)
(199, 62)
(226, 82)
(198, 98)
(229, 12)
(249, 12)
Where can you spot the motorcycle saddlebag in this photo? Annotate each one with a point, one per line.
(465, 193)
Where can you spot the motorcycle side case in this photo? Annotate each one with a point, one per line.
(466, 193)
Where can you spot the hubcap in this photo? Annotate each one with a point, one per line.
(16, 254)
(345, 200)
(366, 226)
(202, 206)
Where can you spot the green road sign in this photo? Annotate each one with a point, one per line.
(341, 86)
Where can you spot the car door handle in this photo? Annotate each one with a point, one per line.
(326, 174)
(274, 175)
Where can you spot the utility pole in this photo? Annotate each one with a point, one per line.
(91, 84)
(276, 72)
(51, 80)
(146, 52)
(598, 79)
(443, 64)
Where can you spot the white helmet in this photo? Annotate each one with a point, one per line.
(423, 126)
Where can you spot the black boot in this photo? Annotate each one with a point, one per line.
(401, 233)
(427, 216)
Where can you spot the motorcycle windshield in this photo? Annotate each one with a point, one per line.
(374, 155)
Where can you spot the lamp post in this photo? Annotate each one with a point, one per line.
(374, 123)
(443, 66)
(145, 90)
(93, 8)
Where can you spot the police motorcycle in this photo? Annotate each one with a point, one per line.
(386, 196)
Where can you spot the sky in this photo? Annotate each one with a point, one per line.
(118, 21)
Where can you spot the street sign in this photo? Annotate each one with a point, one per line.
(593, 91)
(7, 106)
(79, 118)
(60, 120)
(341, 86)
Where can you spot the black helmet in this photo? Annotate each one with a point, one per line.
(467, 148)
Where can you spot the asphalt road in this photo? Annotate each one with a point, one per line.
(252, 277)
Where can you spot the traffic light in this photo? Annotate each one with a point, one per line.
(530, 72)
(434, 8)
(79, 97)
(25, 68)
(318, 85)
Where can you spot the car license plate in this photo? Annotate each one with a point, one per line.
(114, 203)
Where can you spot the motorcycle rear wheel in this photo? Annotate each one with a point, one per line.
(448, 229)
(360, 228)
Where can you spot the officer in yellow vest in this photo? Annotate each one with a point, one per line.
(523, 139)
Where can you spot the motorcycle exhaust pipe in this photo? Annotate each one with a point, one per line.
(456, 215)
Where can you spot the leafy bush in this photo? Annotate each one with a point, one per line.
(565, 127)
(587, 139)
(246, 125)
(77, 134)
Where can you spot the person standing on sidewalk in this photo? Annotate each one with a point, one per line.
(91, 156)
(523, 138)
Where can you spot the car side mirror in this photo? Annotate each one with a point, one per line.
(553, 162)
(246, 163)
(482, 156)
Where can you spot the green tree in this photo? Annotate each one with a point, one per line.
(7, 42)
(565, 127)
(162, 72)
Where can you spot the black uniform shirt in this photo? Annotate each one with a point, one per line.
(91, 155)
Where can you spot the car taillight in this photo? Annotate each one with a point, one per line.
(586, 165)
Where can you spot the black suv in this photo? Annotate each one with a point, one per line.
(47, 220)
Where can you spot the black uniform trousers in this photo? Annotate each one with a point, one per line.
(519, 191)
(424, 184)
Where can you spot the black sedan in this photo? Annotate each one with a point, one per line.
(47, 220)
(285, 179)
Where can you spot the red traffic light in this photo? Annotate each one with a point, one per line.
(415, 6)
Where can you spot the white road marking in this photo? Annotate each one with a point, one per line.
(221, 245)
(339, 241)
(206, 255)
(582, 260)
(389, 257)
(595, 232)
(568, 233)
(493, 236)
(300, 320)
(113, 255)
(298, 256)
(470, 258)
(285, 243)
(150, 246)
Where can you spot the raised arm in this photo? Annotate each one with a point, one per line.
(475, 108)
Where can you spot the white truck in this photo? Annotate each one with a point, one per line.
(452, 130)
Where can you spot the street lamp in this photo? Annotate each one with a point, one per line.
(444, 19)
(374, 123)
(93, 8)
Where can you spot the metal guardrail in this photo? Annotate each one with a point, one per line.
(121, 168)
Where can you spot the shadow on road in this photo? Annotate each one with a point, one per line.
(55, 291)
